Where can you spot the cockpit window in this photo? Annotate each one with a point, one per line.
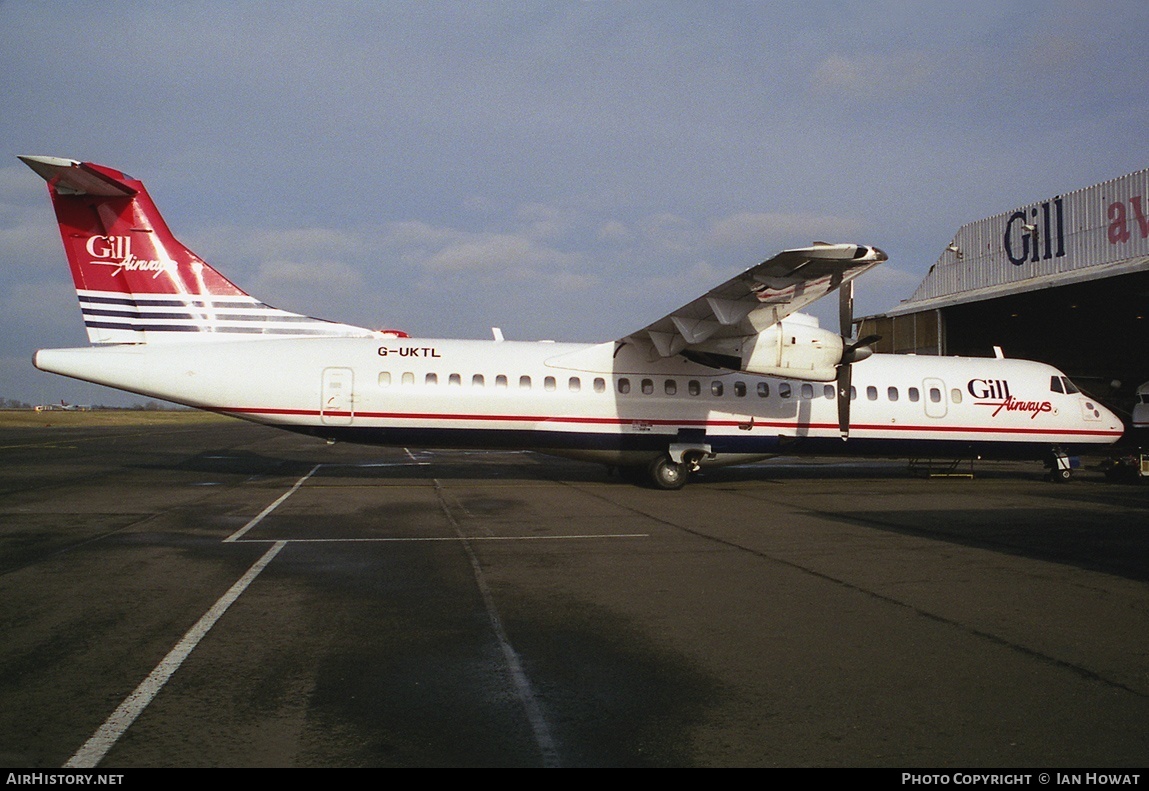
(1069, 386)
(1055, 384)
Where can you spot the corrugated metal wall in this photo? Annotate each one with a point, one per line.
(1080, 230)
(913, 333)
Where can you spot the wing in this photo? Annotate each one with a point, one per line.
(758, 298)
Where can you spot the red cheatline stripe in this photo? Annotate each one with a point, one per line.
(613, 421)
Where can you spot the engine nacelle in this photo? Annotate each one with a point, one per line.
(794, 350)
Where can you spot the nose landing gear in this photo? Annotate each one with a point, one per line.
(1060, 466)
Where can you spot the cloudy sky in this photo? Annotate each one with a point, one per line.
(567, 170)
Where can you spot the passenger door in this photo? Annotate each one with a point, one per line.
(934, 397)
(337, 400)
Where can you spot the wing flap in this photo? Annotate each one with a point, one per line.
(758, 298)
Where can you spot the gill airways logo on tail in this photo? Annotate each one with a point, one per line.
(116, 251)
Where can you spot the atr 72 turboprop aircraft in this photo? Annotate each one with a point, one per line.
(736, 375)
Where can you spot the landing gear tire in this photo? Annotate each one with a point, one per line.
(666, 474)
(1059, 475)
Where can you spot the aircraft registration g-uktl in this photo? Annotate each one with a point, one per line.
(733, 376)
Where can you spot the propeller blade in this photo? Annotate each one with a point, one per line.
(866, 342)
(844, 377)
(846, 310)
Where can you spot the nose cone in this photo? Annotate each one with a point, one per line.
(1096, 413)
(1111, 419)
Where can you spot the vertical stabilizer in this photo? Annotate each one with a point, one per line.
(136, 282)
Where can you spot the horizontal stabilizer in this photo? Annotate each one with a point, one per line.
(80, 178)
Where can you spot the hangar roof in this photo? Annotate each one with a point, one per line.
(1089, 234)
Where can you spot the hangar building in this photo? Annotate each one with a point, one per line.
(1063, 280)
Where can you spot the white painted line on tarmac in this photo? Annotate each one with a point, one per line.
(239, 533)
(94, 750)
(519, 679)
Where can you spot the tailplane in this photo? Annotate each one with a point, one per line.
(136, 282)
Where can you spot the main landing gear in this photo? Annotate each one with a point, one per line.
(664, 472)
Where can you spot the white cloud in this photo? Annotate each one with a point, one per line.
(294, 244)
(507, 258)
(613, 231)
(873, 76)
(543, 222)
(670, 233)
(312, 274)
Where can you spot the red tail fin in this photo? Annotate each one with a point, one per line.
(135, 281)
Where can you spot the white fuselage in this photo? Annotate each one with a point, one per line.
(600, 402)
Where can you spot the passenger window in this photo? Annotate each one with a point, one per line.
(1055, 384)
(853, 393)
(454, 380)
(478, 381)
(892, 393)
(500, 382)
(624, 386)
(574, 385)
(599, 385)
(670, 386)
(871, 393)
(647, 386)
(716, 388)
(740, 389)
(807, 391)
(549, 384)
(693, 387)
(955, 395)
(524, 383)
(763, 390)
(784, 390)
(431, 379)
(913, 394)
(384, 378)
(828, 391)
(935, 395)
